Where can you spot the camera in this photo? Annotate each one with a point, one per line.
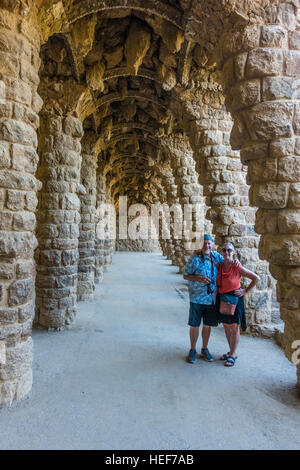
(210, 288)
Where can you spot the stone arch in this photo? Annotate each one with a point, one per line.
(157, 8)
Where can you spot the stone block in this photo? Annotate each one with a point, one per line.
(7, 271)
(6, 109)
(273, 36)
(18, 360)
(294, 195)
(269, 120)
(25, 269)
(70, 202)
(262, 170)
(292, 63)
(294, 40)
(4, 155)
(9, 65)
(266, 221)
(50, 258)
(289, 221)
(24, 158)
(280, 88)
(31, 201)
(28, 73)
(254, 151)
(15, 200)
(36, 102)
(18, 91)
(244, 94)
(239, 134)
(282, 147)
(19, 132)
(72, 127)
(69, 257)
(20, 292)
(225, 188)
(280, 249)
(239, 65)
(8, 315)
(24, 221)
(293, 276)
(16, 244)
(270, 195)
(289, 169)
(296, 123)
(286, 16)
(264, 61)
(238, 41)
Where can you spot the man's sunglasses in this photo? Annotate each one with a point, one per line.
(226, 249)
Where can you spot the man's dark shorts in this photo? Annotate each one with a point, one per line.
(209, 313)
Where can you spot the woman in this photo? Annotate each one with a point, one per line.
(231, 298)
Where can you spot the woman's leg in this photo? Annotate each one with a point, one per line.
(227, 333)
(233, 335)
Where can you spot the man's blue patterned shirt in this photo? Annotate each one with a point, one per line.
(201, 266)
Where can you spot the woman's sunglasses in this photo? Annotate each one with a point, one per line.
(226, 249)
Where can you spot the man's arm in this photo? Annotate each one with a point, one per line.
(195, 278)
(189, 269)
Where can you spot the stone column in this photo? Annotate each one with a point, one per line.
(86, 263)
(224, 183)
(19, 107)
(189, 193)
(260, 73)
(58, 219)
(99, 243)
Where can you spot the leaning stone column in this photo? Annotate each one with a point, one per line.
(58, 219)
(86, 263)
(260, 72)
(19, 105)
(224, 181)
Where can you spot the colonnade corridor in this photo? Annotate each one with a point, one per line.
(119, 379)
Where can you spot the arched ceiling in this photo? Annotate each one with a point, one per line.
(120, 65)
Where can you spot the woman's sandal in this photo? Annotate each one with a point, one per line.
(230, 361)
(225, 357)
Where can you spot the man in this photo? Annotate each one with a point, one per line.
(201, 272)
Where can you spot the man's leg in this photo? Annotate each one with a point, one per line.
(194, 335)
(205, 335)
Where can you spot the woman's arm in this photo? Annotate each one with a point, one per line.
(250, 275)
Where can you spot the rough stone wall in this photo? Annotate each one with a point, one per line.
(260, 73)
(19, 108)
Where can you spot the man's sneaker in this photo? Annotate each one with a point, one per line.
(206, 355)
(192, 357)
